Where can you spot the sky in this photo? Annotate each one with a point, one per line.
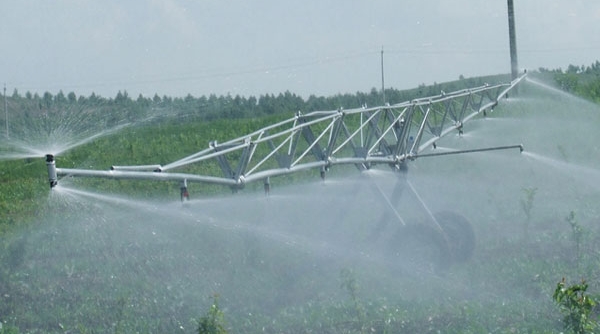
(252, 48)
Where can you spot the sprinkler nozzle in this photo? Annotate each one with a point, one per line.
(51, 164)
(521, 148)
(267, 186)
(185, 195)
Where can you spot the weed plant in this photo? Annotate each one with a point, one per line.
(527, 206)
(214, 320)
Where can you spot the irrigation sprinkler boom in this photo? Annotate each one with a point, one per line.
(389, 135)
(364, 137)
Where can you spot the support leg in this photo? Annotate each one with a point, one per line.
(389, 212)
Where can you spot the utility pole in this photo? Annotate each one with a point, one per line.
(6, 112)
(512, 36)
(382, 82)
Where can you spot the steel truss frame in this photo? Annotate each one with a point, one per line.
(364, 137)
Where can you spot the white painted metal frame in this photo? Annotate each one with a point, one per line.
(364, 137)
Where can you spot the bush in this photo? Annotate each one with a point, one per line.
(576, 306)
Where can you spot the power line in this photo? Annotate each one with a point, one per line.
(209, 73)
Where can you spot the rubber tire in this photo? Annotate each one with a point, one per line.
(460, 235)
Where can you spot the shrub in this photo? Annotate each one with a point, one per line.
(576, 305)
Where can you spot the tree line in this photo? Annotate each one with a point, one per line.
(581, 80)
(226, 106)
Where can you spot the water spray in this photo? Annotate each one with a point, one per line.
(52, 176)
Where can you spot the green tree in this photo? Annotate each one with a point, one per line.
(72, 97)
(47, 100)
(60, 98)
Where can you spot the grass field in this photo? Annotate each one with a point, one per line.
(98, 255)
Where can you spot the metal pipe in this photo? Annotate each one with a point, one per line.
(152, 168)
(520, 147)
(137, 175)
(52, 176)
